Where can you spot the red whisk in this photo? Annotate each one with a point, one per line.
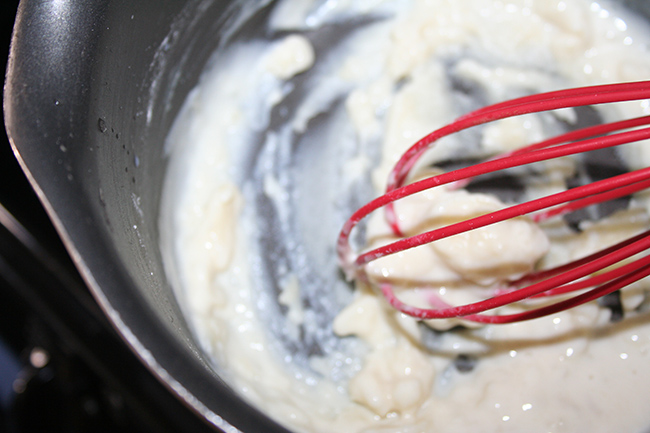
(585, 275)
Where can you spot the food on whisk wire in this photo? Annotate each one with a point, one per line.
(288, 133)
(470, 266)
(486, 230)
(484, 256)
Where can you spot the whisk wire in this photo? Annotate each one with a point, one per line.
(533, 154)
(558, 280)
(561, 280)
(630, 179)
(610, 282)
(566, 98)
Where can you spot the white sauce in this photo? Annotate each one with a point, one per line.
(573, 371)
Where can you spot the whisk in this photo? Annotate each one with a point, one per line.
(591, 277)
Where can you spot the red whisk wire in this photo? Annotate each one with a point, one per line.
(590, 131)
(579, 134)
(577, 193)
(597, 279)
(488, 167)
(539, 275)
(566, 98)
(560, 280)
(641, 269)
(534, 289)
(594, 199)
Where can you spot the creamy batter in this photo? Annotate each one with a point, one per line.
(284, 137)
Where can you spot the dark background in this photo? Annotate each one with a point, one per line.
(62, 366)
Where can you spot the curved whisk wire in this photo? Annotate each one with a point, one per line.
(574, 276)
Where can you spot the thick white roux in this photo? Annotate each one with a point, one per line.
(573, 371)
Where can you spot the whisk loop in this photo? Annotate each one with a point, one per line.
(571, 277)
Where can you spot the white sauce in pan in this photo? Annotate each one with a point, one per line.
(294, 127)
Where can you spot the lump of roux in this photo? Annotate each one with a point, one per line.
(292, 132)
